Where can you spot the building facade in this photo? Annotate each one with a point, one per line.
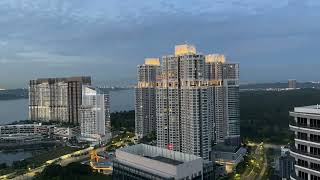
(95, 114)
(183, 102)
(145, 97)
(224, 77)
(26, 129)
(197, 102)
(56, 99)
(285, 163)
(141, 162)
(292, 84)
(306, 147)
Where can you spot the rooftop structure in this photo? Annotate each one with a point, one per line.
(152, 61)
(215, 58)
(157, 163)
(185, 49)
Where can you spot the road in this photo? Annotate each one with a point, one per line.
(257, 164)
(64, 160)
(264, 167)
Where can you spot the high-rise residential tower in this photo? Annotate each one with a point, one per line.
(145, 94)
(197, 99)
(224, 77)
(56, 99)
(183, 103)
(95, 114)
(306, 147)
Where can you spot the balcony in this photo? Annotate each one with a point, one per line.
(294, 123)
(295, 150)
(306, 139)
(293, 176)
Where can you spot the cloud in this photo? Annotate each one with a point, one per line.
(105, 37)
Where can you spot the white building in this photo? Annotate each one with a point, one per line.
(306, 149)
(95, 115)
(149, 162)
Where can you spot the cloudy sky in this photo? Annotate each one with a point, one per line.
(273, 40)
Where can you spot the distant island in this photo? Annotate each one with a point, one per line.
(11, 94)
(279, 85)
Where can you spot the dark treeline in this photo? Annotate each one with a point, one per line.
(123, 120)
(265, 114)
(73, 171)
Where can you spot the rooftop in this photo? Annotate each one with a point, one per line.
(152, 61)
(84, 79)
(183, 49)
(314, 109)
(159, 154)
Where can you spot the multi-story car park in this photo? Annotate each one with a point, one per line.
(25, 129)
(24, 133)
(306, 148)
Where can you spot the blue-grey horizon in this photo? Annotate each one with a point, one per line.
(273, 40)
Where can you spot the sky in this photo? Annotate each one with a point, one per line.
(273, 40)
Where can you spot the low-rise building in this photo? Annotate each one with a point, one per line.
(26, 129)
(149, 162)
(66, 132)
(227, 155)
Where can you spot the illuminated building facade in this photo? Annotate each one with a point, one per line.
(145, 97)
(56, 99)
(197, 101)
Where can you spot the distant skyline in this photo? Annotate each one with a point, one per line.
(273, 40)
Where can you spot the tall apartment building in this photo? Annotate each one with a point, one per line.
(183, 103)
(145, 95)
(224, 77)
(56, 99)
(197, 101)
(95, 122)
(193, 98)
(306, 148)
